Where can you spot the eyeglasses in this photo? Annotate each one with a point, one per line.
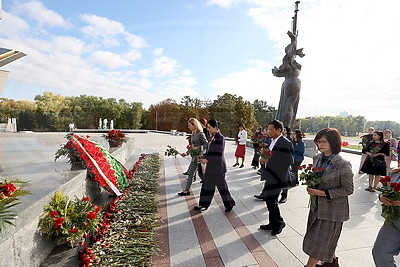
(321, 142)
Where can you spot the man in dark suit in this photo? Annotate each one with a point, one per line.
(276, 175)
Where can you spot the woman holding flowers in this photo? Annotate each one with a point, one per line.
(387, 243)
(331, 207)
(375, 164)
(198, 143)
(214, 175)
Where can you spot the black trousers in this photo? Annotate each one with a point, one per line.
(210, 181)
(275, 218)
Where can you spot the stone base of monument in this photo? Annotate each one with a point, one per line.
(23, 245)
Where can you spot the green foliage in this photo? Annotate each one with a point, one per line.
(347, 126)
(263, 112)
(10, 190)
(232, 110)
(67, 220)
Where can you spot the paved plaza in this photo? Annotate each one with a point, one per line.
(212, 237)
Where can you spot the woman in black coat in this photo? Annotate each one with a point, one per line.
(214, 175)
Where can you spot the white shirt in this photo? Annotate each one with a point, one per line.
(242, 136)
(271, 146)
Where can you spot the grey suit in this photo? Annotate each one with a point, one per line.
(325, 222)
(199, 141)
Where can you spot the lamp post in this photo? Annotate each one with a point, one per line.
(156, 118)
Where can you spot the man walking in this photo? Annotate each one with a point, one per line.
(276, 175)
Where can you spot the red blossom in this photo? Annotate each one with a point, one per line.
(85, 199)
(59, 221)
(73, 230)
(91, 215)
(8, 189)
(53, 214)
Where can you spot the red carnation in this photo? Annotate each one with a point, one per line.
(8, 189)
(91, 215)
(85, 199)
(73, 230)
(59, 221)
(53, 214)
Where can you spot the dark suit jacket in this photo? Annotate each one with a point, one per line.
(277, 169)
(215, 155)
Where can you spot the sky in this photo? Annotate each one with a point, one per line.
(150, 50)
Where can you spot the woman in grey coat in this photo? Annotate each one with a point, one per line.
(198, 141)
(326, 217)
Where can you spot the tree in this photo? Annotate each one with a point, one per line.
(165, 115)
(232, 110)
(263, 112)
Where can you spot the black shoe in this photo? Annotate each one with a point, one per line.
(283, 200)
(228, 209)
(201, 181)
(185, 173)
(184, 193)
(278, 230)
(241, 166)
(254, 167)
(266, 227)
(258, 197)
(200, 208)
(235, 165)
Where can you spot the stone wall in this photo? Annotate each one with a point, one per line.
(23, 245)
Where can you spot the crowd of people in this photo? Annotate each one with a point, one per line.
(279, 172)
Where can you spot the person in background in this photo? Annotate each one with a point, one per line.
(387, 243)
(387, 137)
(365, 140)
(287, 132)
(71, 127)
(375, 165)
(214, 175)
(331, 208)
(241, 145)
(198, 141)
(276, 175)
(256, 139)
(203, 122)
(299, 148)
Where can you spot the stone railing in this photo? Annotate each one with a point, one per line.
(23, 245)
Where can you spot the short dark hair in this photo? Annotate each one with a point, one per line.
(334, 139)
(380, 133)
(215, 124)
(242, 125)
(277, 124)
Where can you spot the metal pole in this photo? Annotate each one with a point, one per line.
(296, 9)
(156, 119)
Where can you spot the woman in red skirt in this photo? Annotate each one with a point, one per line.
(241, 145)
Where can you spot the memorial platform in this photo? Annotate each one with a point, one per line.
(212, 237)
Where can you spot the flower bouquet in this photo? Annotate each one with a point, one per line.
(115, 138)
(311, 176)
(257, 139)
(194, 152)
(392, 192)
(66, 220)
(9, 191)
(171, 151)
(265, 153)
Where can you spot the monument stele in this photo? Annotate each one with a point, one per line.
(290, 69)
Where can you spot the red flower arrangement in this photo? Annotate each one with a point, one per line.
(171, 151)
(265, 153)
(193, 151)
(390, 190)
(344, 143)
(374, 149)
(311, 176)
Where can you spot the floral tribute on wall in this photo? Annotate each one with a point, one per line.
(115, 138)
(101, 165)
(126, 235)
(10, 190)
(69, 220)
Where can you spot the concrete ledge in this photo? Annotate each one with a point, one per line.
(23, 245)
(352, 151)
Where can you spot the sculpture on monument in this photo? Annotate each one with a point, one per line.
(290, 69)
(105, 124)
(112, 125)
(100, 123)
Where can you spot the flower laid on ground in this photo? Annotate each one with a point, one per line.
(390, 190)
(311, 176)
(171, 151)
(193, 151)
(116, 135)
(265, 153)
(374, 149)
(67, 220)
(344, 143)
(126, 232)
(10, 190)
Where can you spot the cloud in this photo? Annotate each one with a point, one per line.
(12, 25)
(157, 52)
(223, 3)
(350, 54)
(164, 66)
(108, 59)
(135, 41)
(38, 12)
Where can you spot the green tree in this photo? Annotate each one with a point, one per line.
(263, 112)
